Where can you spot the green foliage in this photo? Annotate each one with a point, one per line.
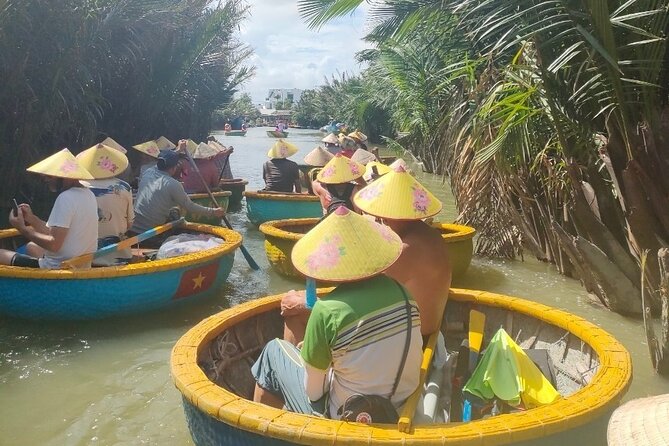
(76, 71)
(240, 107)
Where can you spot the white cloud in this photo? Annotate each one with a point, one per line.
(287, 54)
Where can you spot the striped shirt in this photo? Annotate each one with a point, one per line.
(358, 332)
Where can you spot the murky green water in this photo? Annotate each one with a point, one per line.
(108, 383)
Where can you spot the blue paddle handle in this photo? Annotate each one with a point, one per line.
(311, 293)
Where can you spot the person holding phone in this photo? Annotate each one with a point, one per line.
(72, 227)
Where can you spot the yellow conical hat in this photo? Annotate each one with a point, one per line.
(164, 143)
(103, 161)
(191, 146)
(398, 196)
(205, 151)
(339, 248)
(149, 147)
(114, 145)
(381, 169)
(345, 141)
(318, 157)
(363, 156)
(399, 162)
(62, 165)
(282, 149)
(340, 169)
(358, 136)
(331, 139)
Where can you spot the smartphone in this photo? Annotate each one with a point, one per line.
(15, 207)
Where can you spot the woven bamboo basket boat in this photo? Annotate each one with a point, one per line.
(236, 186)
(222, 198)
(277, 134)
(264, 206)
(101, 292)
(211, 366)
(281, 236)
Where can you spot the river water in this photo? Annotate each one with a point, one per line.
(108, 382)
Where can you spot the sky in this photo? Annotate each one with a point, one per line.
(287, 54)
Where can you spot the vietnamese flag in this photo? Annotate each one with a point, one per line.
(196, 280)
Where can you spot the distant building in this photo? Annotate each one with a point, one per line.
(270, 117)
(283, 95)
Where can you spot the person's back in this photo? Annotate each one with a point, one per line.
(364, 325)
(424, 270)
(280, 175)
(75, 209)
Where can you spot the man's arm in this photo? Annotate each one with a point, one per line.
(51, 239)
(180, 197)
(33, 220)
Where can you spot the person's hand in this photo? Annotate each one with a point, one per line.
(219, 212)
(231, 149)
(182, 145)
(17, 220)
(294, 303)
(27, 212)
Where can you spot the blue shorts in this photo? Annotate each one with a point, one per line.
(279, 370)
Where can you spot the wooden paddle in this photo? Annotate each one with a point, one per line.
(406, 417)
(123, 244)
(247, 255)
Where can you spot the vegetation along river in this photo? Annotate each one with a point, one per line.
(108, 383)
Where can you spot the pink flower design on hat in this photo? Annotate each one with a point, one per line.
(106, 164)
(355, 170)
(372, 191)
(328, 172)
(68, 166)
(326, 255)
(152, 150)
(420, 199)
(386, 233)
(283, 150)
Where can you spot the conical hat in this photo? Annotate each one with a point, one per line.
(331, 139)
(103, 161)
(642, 421)
(149, 147)
(191, 146)
(205, 151)
(381, 169)
(114, 145)
(363, 156)
(398, 196)
(397, 163)
(217, 145)
(318, 157)
(339, 248)
(346, 142)
(340, 169)
(358, 136)
(164, 143)
(282, 149)
(61, 165)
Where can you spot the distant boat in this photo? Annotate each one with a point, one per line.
(277, 134)
(235, 133)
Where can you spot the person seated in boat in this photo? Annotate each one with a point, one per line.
(113, 197)
(223, 159)
(207, 159)
(348, 145)
(72, 227)
(280, 173)
(160, 191)
(367, 310)
(227, 127)
(424, 268)
(331, 143)
(317, 158)
(359, 138)
(336, 183)
(149, 155)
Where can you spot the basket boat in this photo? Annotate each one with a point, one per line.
(235, 133)
(211, 365)
(262, 206)
(222, 198)
(236, 186)
(277, 134)
(101, 292)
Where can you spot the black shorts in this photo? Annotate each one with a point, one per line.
(25, 261)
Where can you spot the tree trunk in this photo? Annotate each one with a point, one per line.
(663, 361)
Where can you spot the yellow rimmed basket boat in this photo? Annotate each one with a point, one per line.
(211, 366)
(459, 245)
(281, 236)
(100, 292)
(222, 198)
(277, 134)
(262, 206)
(236, 186)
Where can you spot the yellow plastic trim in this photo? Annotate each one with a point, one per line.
(279, 196)
(455, 232)
(597, 398)
(233, 182)
(223, 193)
(232, 240)
(272, 228)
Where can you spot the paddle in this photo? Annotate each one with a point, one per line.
(225, 164)
(406, 417)
(127, 243)
(247, 255)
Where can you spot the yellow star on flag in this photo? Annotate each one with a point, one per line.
(197, 282)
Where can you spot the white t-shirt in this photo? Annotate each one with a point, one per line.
(77, 210)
